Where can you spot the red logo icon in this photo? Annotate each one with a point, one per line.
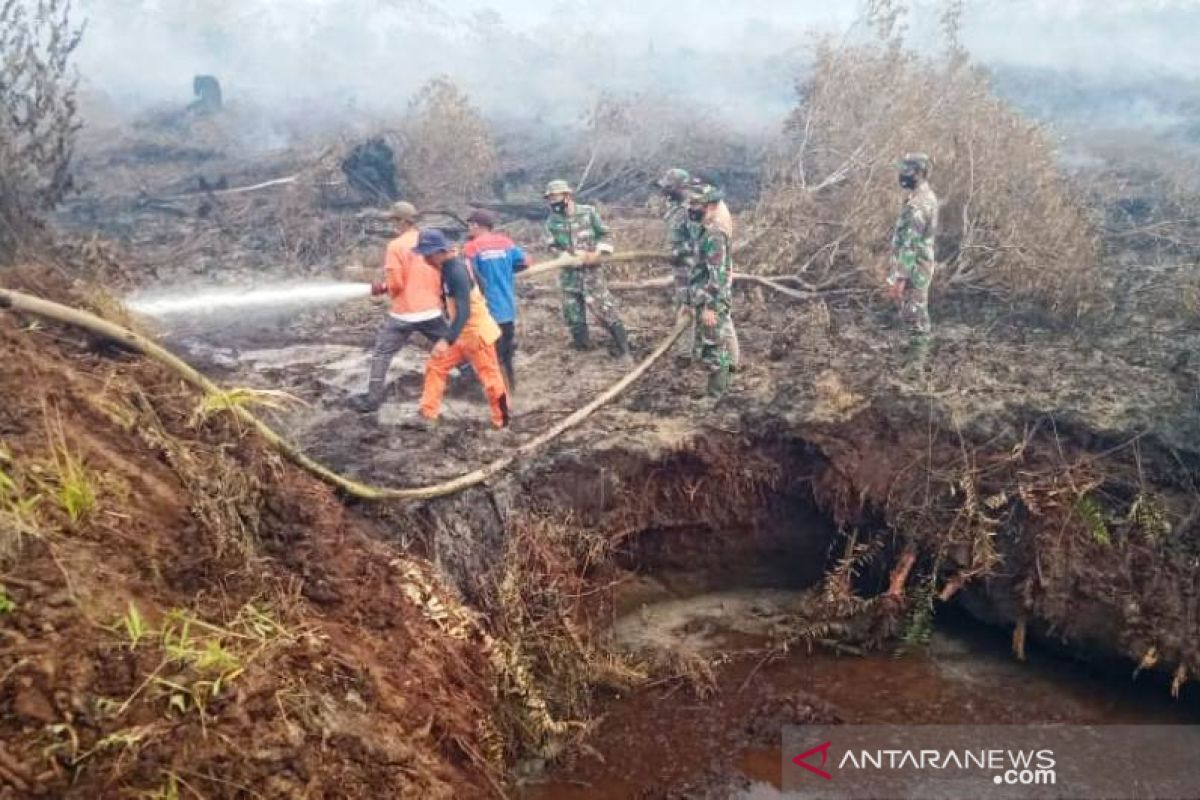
(823, 749)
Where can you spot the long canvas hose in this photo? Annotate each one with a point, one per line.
(79, 318)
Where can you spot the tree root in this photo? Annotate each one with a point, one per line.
(900, 573)
(952, 587)
(21, 302)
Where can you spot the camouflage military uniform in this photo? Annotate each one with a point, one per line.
(583, 287)
(682, 235)
(710, 289)
(913, 259)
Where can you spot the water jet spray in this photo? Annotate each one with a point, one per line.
(161, 304)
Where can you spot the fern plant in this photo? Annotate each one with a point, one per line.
(1094, 519)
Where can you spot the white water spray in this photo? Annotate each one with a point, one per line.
(160, 304)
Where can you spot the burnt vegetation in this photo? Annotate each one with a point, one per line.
(38, 119)
(218, 608)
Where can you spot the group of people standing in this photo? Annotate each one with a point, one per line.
(463, 300)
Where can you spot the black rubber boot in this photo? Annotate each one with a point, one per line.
(620, 338)
(580, 339)
(370, 401)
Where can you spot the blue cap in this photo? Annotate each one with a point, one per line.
(431, 241)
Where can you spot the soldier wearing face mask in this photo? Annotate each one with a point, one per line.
(576, 229)
(710, 288)
(681, 231)
(683, 236)
(913, 260)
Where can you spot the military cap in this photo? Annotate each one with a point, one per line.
(674, 179)
(915, 162)
(557, 187)
(706, 194)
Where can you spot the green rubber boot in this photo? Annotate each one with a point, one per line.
(916, 357)
(580, 340)
(718, 382)
(620, 342)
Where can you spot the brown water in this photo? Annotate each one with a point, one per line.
(659, 740)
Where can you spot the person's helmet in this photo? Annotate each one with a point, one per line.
(916, 163)
(557, 187)
(706, 195)
(674, 180)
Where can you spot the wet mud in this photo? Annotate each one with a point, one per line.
(667, 742)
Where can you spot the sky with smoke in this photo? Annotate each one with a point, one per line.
(550, 58)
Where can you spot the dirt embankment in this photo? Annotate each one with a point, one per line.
(182, 613)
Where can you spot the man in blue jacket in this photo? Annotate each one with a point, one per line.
(496, 260)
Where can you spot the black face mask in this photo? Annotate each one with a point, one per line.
(560, 207)
(696, 214)
(675, 196)
(908, 181)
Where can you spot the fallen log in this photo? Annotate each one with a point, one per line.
(533, 211)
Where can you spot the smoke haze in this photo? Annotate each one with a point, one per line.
(549, 60)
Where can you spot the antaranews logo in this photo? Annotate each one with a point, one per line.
(1004, 766)
(802, 760)
(991, 762)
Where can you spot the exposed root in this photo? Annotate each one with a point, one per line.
(1178, 680)
(900, 573)
(1018, 637)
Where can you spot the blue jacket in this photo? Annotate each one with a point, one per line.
(496, 261)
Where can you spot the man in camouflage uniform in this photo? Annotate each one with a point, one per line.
(682, 233)
(576, 229)
(683, 236)
(709, 290)
(913, 261)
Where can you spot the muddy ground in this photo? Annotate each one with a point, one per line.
(1042, 476)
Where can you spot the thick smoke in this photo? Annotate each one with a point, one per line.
(549, 60)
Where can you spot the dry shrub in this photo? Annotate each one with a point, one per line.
(1147, 193)
(37, 113)
(448, 152)
(1008, 222)
(631, 139)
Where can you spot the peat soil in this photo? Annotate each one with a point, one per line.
(185, 613)
(1018, 471)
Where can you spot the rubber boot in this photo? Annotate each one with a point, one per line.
(580, 339)
(370, 401)
(916, 357)
(734, 347)
(620, 340)
(718, 382)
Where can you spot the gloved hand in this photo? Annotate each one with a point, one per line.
(378, 289)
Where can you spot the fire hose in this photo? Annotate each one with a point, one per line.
(67, 315)
(28, 304)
